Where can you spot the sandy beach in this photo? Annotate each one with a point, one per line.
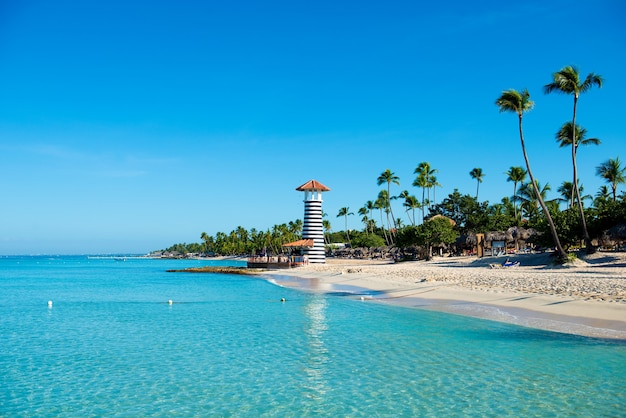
(587, 298)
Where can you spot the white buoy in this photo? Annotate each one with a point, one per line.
(170, 301)
(49, 304)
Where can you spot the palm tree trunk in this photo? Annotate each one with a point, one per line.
(390, 208)
(514, 199)
(588, 246)
(562, 255)
(423, 194)
(382, 225)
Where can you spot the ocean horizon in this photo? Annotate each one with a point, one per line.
(98, 335)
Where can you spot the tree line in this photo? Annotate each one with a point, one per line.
(584, 218)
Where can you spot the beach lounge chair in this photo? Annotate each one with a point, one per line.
(509, 263)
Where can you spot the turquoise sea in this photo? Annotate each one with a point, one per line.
(112, 345)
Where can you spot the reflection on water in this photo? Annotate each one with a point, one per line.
(317, 354)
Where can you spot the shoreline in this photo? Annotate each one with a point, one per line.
(587, 299)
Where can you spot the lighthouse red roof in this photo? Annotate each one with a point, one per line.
(313, 185)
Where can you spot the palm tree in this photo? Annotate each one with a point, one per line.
(477, 174)
(603, 195)
(611, 170)
(567, 81)
(364, 218)
(411, 203)
(514, 101)
(528, 197)
(517, 175)
(384, 204)
(426, 178)
(389, 177)
(432, 184)
(345, 211)
(327, 228)
(381, 204)
(566, 190)
(564, 138)
(422, 182)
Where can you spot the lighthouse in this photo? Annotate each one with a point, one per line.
(312, 228)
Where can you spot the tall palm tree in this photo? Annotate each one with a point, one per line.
(611, 170)
(516, 102)
(567, 81)
(389, 177)
(517, 175)
(564, 138)
(345, 211)
(477, 174)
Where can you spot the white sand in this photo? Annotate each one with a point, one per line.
(588, 298)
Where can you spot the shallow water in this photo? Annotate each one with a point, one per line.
(112, 345)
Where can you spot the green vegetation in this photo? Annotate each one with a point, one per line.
(459, 214)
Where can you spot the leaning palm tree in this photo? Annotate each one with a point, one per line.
(345, 211)
(567, 81)
(516, 102)
(517, 175)
(564, 138)
(611, 170)
(389, 177)
(477, 174)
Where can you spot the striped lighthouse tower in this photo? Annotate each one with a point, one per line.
(312, 227)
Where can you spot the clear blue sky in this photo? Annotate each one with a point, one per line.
(128, 126)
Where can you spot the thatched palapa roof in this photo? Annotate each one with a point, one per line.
(303, 243)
